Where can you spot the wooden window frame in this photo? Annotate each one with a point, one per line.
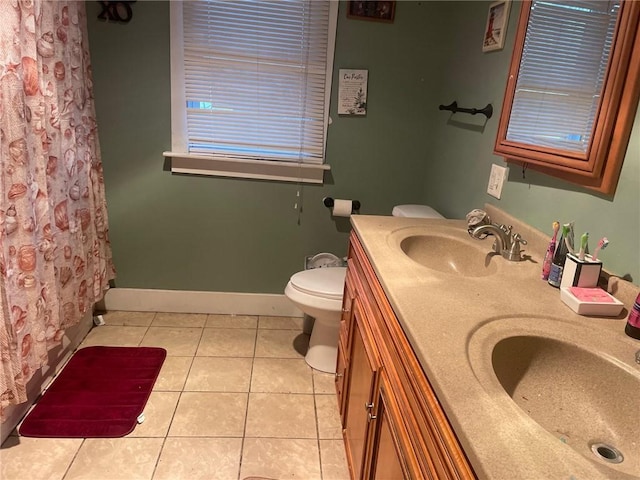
(598, 169)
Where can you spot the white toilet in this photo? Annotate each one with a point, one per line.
(318, 293)
(415, 211)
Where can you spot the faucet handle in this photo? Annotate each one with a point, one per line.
(515, 254)
(516, 237)
(506, 229)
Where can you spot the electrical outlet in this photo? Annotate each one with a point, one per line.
(496, 180)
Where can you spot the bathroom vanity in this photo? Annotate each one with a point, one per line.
(454, 363)
(388, 409)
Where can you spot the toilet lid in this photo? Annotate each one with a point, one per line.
(325, 282)
(415, 211)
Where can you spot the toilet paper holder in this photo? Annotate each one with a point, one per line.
(328, 202)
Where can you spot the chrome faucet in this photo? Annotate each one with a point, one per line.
(506, 243)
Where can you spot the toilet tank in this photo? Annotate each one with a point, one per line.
(415, 211)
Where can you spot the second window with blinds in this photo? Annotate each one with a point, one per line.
(250, 88)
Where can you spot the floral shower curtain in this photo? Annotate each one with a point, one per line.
(55, 257)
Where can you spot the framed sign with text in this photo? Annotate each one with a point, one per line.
(352, 92)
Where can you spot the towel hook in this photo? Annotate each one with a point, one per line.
(453, 107)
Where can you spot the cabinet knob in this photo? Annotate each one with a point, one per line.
(372, 416)
(368, 406)
(339, 375)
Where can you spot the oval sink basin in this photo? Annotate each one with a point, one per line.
(448, 255)
(586, 397)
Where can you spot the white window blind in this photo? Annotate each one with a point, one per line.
(257, 77)
(569, 34)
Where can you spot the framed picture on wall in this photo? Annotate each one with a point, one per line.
(372, 10)
(496, 27)
(352, 92)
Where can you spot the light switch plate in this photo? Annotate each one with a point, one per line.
(496, 180)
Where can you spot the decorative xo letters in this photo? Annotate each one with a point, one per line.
(116, 11)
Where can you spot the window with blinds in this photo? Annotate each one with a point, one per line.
(254, 78)
(562, 73)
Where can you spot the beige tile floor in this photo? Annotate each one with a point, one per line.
(234, 399)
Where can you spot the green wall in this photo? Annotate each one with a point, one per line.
(220, 234)
(457, 181)
(217, 234)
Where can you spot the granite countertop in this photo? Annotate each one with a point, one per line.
(452, 322)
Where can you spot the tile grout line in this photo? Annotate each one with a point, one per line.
(175, 409)
(315, 408)
(173, 415)
(73, 459)
(246, 411)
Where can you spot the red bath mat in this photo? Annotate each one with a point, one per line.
(99, 393)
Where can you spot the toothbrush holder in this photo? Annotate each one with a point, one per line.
(581, 273)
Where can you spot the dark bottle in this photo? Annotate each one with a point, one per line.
(633, 322)
(559, 257)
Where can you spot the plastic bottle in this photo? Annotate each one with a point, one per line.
(633, 322)
(559, 257)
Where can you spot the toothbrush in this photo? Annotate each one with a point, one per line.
(602, 244)
(568, 236)
(548, 257)
(584, 239)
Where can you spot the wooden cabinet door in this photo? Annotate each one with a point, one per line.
(387, 464)
(388, 459)
(346, 318)
(341, 368)
(364, 366)
(344, 346)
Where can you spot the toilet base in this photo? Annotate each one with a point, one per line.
(323, 346)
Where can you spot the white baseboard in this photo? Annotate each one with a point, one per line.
(182, 301)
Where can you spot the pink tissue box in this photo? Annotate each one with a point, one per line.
(591, 301)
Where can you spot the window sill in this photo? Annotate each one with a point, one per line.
(187, 163)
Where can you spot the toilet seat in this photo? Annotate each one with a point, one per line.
(321, 282)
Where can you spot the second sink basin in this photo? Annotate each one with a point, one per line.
(448, 255)
(582, 394)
